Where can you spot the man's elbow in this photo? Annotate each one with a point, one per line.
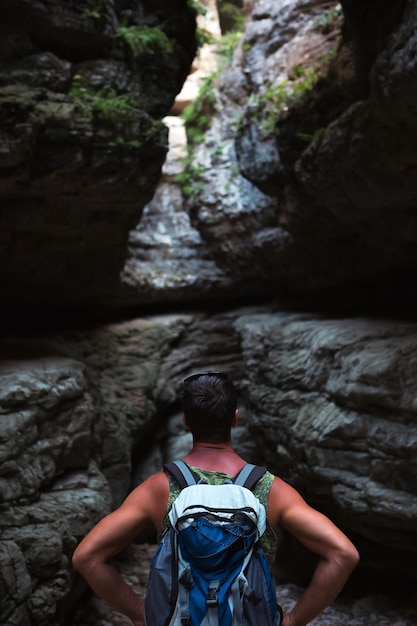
(350, 557)
(81, 560)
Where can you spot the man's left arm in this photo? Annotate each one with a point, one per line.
(337, 555)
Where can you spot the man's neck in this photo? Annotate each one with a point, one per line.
(218, 457)
(201, 446)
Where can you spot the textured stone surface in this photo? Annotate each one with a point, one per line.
(50, 486)
(82, 143)
(168, 259)
(334, 409)
(332, 158)
(328, 404)
(324, 199)
(124, 362)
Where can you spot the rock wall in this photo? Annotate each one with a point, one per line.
(83, 88)
(303, 186)
(333, 405)
(328, 404)
(304, 181)
(51, 487)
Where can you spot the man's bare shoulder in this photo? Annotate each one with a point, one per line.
(283, 489)
(282, 497)
(157, 480)
(155, 486)
(149, 499)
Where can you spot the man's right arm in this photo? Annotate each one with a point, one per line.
(92, 557)
(337, 555)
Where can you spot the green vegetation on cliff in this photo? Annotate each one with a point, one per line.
(105, 102)
(325, 21)
(267, 106)
(197, 115)
(197, 119)
(95, 10)
(145, 40)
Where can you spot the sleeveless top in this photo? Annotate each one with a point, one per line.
(261, 491)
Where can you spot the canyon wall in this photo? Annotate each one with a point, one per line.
(300, 194)
(327, 403)
(83, 89)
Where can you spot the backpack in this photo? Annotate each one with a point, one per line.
(209, 568)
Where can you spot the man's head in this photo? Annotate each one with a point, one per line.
(209, 403)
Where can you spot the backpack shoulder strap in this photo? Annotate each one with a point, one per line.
(249, 475)
(181, 472)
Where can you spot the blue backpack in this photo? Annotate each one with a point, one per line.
(210, 569)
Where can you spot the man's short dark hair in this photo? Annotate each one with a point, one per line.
(209, 403)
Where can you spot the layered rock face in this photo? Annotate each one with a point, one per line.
(328, 404)
(83, 87)
(334, 407)
(51, 486)
(303, 183)
(321, 123)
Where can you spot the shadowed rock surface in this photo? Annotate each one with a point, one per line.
(326, 403)
(303, 187)
(83, 89)
(328, 159)
(304, 181)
